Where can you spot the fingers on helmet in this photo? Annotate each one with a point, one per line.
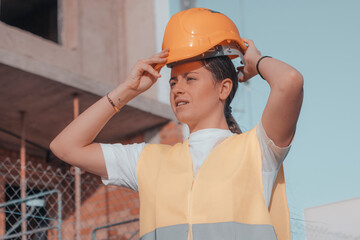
(163, 53)
(147, 68)
(248, 41)
(154, 60)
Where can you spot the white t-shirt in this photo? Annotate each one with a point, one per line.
(121, 160)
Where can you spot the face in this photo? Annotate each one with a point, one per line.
(194, 95)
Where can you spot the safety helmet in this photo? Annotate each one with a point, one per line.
(199, 33)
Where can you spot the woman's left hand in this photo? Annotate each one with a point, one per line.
(252, 55)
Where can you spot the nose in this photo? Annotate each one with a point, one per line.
(178, 88)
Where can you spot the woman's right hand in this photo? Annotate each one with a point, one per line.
(143, 75)
(75, 145)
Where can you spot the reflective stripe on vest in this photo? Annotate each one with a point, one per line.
(225, 199)
(213, 231)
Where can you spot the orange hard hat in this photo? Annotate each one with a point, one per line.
(199, 33)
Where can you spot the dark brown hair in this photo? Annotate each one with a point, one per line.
(222, 68)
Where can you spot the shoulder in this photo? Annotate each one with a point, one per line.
(272, 155)
(263, 137)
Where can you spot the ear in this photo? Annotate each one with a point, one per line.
(225, 88)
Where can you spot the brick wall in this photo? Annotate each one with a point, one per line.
(171, 133)
(101, 205)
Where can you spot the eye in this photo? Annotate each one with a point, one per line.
(172, 83)
(190, 78)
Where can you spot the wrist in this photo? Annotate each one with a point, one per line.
(121, 95)
(258, 64)
(253, 63)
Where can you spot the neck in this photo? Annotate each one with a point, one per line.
(209, 123)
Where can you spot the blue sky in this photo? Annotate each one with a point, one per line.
(321, 39)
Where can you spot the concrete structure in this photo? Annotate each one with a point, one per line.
(99, 41)
(340, 220)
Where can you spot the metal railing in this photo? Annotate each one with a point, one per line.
(33, 201)
(100, 204)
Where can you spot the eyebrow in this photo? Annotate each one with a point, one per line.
(184, 75)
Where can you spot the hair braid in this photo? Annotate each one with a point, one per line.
(221, 68)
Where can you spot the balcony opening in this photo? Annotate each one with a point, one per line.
(39, 17)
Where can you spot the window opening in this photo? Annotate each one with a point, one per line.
(39, 17)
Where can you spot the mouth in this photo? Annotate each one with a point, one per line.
(181, 103)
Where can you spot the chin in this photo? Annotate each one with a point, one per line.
(185, 118)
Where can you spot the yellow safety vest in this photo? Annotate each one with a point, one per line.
(225, 201)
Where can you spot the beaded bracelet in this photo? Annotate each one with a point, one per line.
(257, 65)
(112, 103)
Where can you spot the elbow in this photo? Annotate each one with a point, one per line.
(55, 148)
(296, 80)
(53, 145)
(299, 78)
(292, 82)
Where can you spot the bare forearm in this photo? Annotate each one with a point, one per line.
(75, 145)
(83, 130)
(283, 107)
(280, 75)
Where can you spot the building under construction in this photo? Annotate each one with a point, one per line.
(58, 57)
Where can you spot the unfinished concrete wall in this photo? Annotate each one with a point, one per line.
(100, 41)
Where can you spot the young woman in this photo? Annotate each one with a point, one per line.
(219, 183)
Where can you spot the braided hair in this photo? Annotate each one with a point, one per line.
(222, 68)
